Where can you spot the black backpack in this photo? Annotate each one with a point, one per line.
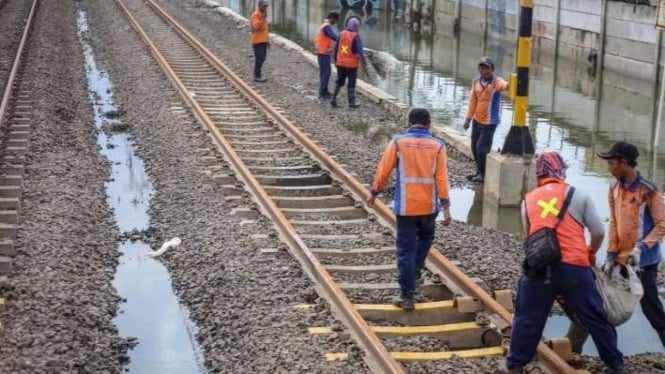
(541, 249)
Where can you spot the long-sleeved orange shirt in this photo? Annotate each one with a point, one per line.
(637, 218)
(422, 173)
(259, 25)
(485, 101)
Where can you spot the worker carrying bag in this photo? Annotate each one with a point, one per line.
(541, 249)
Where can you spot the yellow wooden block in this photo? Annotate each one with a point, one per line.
(420, 307)
(447, 355)
(319, 330)
(337, 356)
(422, 330)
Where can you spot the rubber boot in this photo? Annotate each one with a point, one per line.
(333, 101)
(406, 301)
(353, 101)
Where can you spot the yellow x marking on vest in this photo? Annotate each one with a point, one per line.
(345, 49)
(548, 207)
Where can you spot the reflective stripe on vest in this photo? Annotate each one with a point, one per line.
(542, 207)
(345, 56)
(324, 45)
(403, 182)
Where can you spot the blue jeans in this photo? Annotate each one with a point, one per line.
(482, 137)
(534, 301)
(415, 235)
(324, 74)
(260, 53)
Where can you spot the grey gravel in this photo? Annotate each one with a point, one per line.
(242, 300)
(60, 302)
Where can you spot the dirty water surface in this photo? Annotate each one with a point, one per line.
(163, 334)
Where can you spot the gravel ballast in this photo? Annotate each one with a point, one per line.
(60, 302)
(243, 300)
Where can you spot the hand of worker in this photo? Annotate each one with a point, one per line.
(446, 216)
(467, 123)
(370, 200)
(634, 257)
(607, 266)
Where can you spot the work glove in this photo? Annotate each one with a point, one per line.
(467, 123)
(634, 257)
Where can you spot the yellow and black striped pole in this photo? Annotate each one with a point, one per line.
(519, 142)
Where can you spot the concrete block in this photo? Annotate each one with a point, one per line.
(507, 179)
(5, 265)
(8, 230)
(11, 180)
(454, 139)
(7, 248)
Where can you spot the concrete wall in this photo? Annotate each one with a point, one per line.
(630, 36)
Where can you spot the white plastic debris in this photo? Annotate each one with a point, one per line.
(169, 244)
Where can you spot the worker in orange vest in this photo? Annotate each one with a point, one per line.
(421, 189)
(325, 43)
(485, 113)
(259, 38)
(557, 206)
(348, 56)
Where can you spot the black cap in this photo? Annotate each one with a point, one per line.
(487, 62)
(621, 150)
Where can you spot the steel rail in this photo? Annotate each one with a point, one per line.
(7, 95)
(368, 340)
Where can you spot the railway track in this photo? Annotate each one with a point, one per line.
(15, 130)
(318, 209)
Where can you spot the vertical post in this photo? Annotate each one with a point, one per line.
(557, 22)
(518, 141)
(600, 62)
(486, 26)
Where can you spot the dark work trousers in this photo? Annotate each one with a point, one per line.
(260, 53)
(324, 74)
(414, 238)
(481, 144)
(343, 74)
(577, 286)
(651, 306)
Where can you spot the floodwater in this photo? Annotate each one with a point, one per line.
(573, 110)
(151, 313)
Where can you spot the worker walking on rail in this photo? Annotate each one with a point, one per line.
(325, 43)
(558, 210)
(348, 54)
(485, 113)
(259, 38)
(421, 189)
(637, 225)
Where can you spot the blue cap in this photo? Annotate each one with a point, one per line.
(486, 61)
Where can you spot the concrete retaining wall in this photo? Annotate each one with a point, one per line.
(630, 36)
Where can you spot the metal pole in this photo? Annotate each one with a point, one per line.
(600, 62)
(658, 119)
(519, 142)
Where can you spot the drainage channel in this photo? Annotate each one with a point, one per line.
(151, 315)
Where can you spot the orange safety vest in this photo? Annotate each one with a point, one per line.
(259, 26)
(324, 45)
(542, 207)
(422, 178)
(345, 56)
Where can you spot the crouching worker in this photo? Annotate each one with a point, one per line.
(421, 188)
(555, 208)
